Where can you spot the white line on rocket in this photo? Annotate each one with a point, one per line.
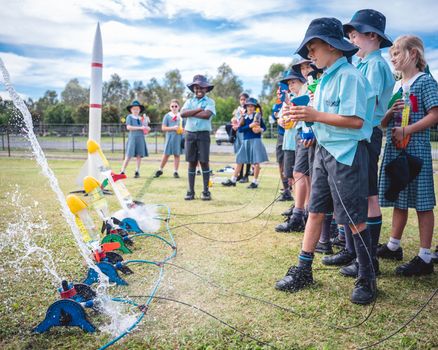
(95, 114)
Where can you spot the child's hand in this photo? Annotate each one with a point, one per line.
(398, 134)
(303, 113)
(146, 129)
(308, 143)
(175, 128)
(397, 107)
(311, 96)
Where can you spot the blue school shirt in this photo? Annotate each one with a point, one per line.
(197, 124)
(345, 91)
(379, 75)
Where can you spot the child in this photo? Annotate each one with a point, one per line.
(136, 144)
(342, 124)
(407, 56)
(252, 150)
(238, 140)
(366, 30)
(173, 127)
(198, 110)
(295, 82)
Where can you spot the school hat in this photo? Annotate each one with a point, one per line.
(201, 81)
(135, 103)
(252, 101)
(369, 21)
(330, 31)
(292, 74)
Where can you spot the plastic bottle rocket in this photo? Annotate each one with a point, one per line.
(118, 186)
(180, 129)
(96, 197)
(405, 114)
(89, 232)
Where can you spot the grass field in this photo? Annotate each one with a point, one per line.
(251, 266)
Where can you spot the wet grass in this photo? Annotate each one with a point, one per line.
(251, 266)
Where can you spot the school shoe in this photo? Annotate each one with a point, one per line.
(158, 173)
(415, 267)
(337, 242)
(435, 256)
(136, 175)
(175, 175)
(244, 180)
(384, 252)
(293, 224)
(189, 196)
(252, 185)
(343, 257)
(324, 248)
(228, 183)
(296, 279)
(206, 196)
(364, 291)
(285, 196)
(198, 172)
(122, 173)
(288, 212)
(352, 270)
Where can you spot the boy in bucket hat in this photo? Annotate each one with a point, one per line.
(198, 110)
(366, 30)
(343, 107)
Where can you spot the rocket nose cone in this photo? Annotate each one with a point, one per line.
(97, 45)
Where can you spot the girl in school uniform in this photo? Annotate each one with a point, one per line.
(136, 144)
(252, 150)
(173, 127)
(407, 56)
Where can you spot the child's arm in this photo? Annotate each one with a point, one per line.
(203, 114)
(309, 114)
(190, 112)
(396, 107)
(430, 119)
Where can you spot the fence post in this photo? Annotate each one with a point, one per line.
(3, 141)
(73, 141)
(112, 142)
(156, 142)
(9, 145)
(123, 136)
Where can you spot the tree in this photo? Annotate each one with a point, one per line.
(59, 114)
(270, 80)
(173, 85)
(81, 114)
(115, 91)
(224, 108)
(226, 84)
(74, 94)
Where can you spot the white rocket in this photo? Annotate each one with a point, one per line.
(95, 114)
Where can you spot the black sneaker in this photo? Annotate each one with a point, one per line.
(338, 242)
(244, 180)
(435, 256)
(352, 270)
(364, 292)
(206, 196)
(324, 248)
(293, 224)
(158, 173)
(343, 257)
(175, 175)
(384, 252)
(198, 172)
(189, 196)
(122, 173)
(252, 185)
(228, 183)
(285, 196)
(288, 212)
(415, 267)
(296, 279)
(136, 175)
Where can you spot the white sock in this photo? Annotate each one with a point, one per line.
(255, 181)
(425, 254)
(161, 169)
(175, 170)
(393, 244)
(233, 178)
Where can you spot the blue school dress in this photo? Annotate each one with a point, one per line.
(419, 194)
(136, 144)
(253, 150)
(172, 144)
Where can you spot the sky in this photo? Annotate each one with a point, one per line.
(45, 43)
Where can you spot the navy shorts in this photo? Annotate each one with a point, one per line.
(279, 153)
(197, 146)
(289, 161)
(301, 157)
(330, 177)
(374, 147)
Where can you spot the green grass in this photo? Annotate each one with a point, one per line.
(251, 266)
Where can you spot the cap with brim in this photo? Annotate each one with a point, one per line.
(369, 21)
(292, 74)
(330, 31)
(201, 81)
(135, 103)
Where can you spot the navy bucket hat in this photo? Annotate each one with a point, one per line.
(369, 21)
(252, 101)
(201, 81)
(135, 103)
(330, 31)
(292, 74)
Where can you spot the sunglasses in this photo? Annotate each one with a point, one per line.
(174, 106)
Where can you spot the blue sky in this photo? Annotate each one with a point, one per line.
(46, 43)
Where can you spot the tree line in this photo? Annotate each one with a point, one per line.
(72, 105)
